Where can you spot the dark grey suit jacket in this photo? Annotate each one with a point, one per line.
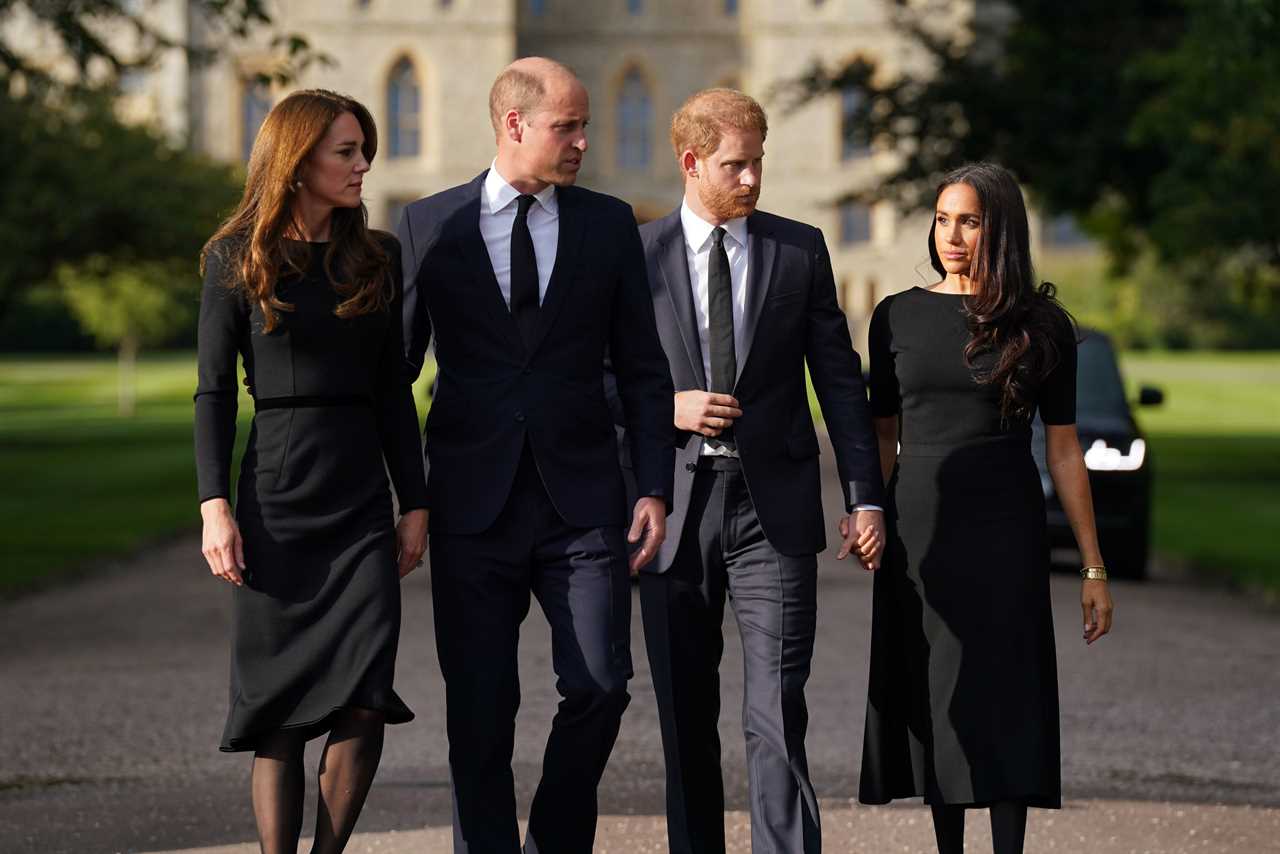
(791, 319)
(495, 394)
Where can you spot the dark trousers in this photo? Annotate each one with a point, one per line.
(723, 551)
(481, 586)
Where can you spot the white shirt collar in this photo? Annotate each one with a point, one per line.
(498, 193)
(697, 231)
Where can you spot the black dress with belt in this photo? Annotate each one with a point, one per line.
(962, 704)
(317, 622)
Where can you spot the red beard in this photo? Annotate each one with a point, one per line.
(728, 204)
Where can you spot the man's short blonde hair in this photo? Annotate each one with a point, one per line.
(700, 121)
(520, 87)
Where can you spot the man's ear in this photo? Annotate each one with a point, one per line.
(689, 164)
(511, 125)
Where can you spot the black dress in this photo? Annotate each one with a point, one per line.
(317, 623)
(962, 704)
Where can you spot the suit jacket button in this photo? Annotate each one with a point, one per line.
(690, 466)
(520, 416)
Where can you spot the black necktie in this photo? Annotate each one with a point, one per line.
(724, 362)
(524, 272)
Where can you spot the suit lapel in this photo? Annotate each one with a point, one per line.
(568, 247)
(674, 266)
(763, 250)
(476, 255)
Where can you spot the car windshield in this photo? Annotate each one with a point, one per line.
(1099, 389)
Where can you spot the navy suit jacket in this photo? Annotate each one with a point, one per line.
(791, 319)
(495, 394)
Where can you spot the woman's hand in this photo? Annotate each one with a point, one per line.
(411, 541)
(1095, 599)
(862, 533)
(221, 543)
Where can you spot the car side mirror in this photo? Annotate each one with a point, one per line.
(1149, 395)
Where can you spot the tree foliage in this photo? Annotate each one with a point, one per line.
(87, 32)
(128, 304)
(1152, 122)
(1131, 113)
(119, 299)
(81, 184)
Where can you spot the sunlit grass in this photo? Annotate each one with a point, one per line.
(83, 484)
(1216, 449)
(1215, 445)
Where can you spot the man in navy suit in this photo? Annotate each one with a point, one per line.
(743, 301)
(527, 282)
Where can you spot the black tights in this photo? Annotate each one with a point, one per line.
(347, 766)
(1008, 827)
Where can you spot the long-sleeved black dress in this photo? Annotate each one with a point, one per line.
(317, 622)
(962, 704)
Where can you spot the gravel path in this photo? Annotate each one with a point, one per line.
(113, 692)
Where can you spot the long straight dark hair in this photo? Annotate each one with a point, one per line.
(1009, 314)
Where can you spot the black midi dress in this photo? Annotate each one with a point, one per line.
(962, 703)
(317, 621)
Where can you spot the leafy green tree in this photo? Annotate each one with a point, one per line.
(1152, 122)
(83, 29)
(80, 184)
(127, 304)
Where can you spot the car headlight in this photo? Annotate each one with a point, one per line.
(1103, 457)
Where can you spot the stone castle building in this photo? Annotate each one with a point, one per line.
(424, 67)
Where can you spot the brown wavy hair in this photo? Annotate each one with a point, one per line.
(251, 242)
(1009, 314)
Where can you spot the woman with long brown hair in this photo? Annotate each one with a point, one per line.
(962, 705)
(297, 286)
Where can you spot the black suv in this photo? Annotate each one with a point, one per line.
(1117, 457)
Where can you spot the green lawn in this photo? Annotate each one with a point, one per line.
(82, 483)
(1215, 444)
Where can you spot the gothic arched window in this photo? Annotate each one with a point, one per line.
(855, 223)
(404, 120)
(852, 140)
(255, 103)
(634, 122)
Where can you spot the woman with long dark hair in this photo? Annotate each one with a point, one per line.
(962, 705)
(298, 287)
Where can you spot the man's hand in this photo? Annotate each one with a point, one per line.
(863, 533)
(650, 522)
(411, 541)
(704, 412)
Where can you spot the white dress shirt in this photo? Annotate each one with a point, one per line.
(498, 216)
(697, 251)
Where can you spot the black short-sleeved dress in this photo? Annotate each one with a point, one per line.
(317, 623)
(962, 704)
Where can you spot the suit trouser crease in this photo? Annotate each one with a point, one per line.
(482, 586)
(723, 552)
